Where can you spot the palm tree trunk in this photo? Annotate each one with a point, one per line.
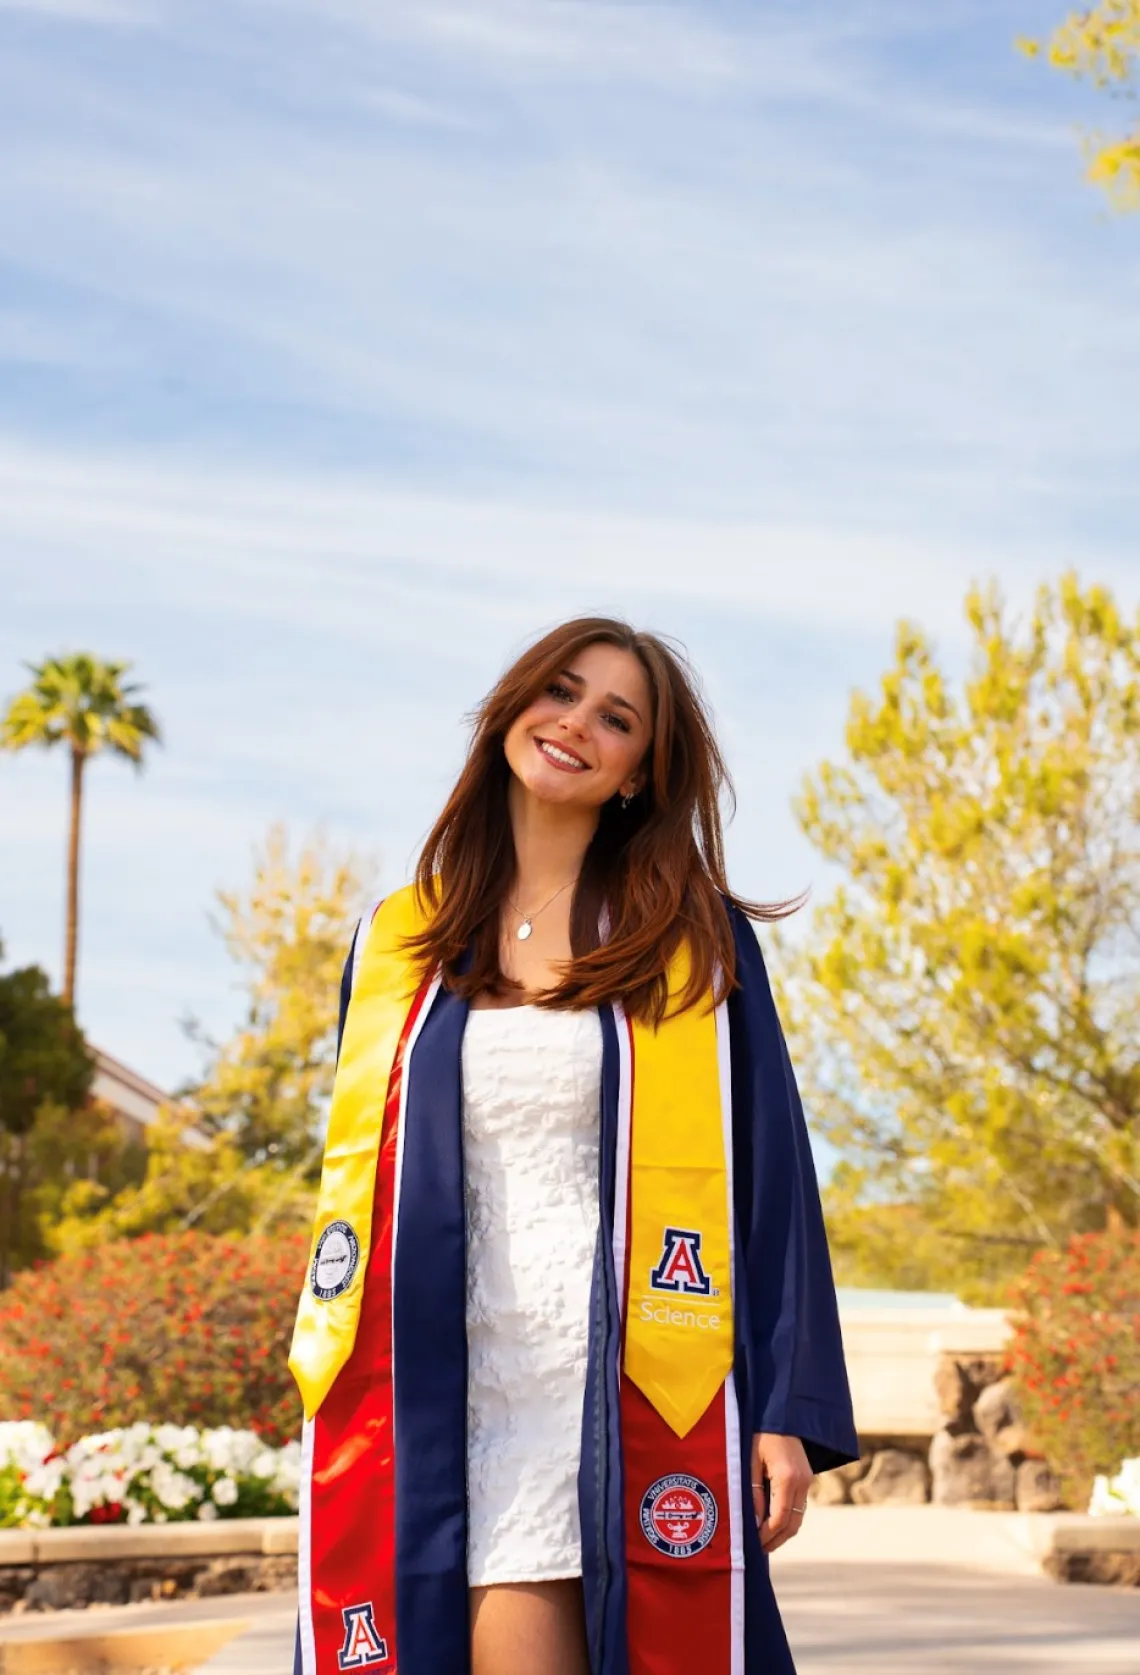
(15, 1168)
(69, 956)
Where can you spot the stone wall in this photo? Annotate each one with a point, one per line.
(982, 1455)
(45, 1570)
(115, 1564)
(978, 1457)
(1107, 1569)
(60, 1587)
(892, 1472)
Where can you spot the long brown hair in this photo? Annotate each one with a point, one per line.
(654, 869)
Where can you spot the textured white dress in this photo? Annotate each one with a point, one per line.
(531, 1091)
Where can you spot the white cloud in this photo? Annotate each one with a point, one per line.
(644, 297)
(90, 11)
(325, 553)
(648, 42)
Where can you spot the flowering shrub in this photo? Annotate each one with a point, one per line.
(143, 1474)
(1120, 1493)
(23, 1448)
(188, 1325)
(1075, 1354)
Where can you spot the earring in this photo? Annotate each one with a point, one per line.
(627, 798)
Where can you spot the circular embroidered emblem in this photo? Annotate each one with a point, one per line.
(335, 1261)
(678, 1515)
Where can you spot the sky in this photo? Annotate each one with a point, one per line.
(344, 347)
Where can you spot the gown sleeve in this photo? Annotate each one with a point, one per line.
(797, 1376)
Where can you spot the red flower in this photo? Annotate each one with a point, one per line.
(57, 1347)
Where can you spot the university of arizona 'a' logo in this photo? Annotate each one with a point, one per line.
(363, 1647)
(680, 1266)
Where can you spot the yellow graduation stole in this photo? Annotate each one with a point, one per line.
(678, 1311)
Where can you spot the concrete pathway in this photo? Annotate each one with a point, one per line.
(843, 1618)
(266, 1647)
(846, 1618)
(175, 1635)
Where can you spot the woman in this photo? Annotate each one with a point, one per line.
(569, 1349)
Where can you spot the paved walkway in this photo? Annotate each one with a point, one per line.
(847, 1618)
(843, 1619)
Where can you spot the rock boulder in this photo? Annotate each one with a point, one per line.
(955, 1392)
(1037, 1489)
(895, 1478)
(965, 1472)
(998, 1418)
(829, 1489)
(833, 1488)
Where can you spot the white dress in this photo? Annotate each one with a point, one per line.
(531, 1090)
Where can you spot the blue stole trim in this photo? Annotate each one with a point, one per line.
(430, 1364)
(600, 1481)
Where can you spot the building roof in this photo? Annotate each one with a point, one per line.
(133, 1098)
(125, 1090)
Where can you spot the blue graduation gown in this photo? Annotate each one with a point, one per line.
(789, 1369)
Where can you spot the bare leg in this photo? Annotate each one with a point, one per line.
(529, 1628)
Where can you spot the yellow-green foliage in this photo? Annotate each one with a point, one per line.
(1102, 45)
(240, 1153)
(187, 1181)
(270, 1085)
(965, 1006)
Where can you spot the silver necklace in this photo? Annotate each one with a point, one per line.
(528, 919)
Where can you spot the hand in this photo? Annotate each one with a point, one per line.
(779, 1462)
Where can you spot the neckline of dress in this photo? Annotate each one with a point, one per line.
(528, 1006)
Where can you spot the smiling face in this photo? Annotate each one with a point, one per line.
(585, 737)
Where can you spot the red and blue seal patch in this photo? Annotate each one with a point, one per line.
(678, 1515)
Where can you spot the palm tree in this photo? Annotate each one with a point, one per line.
(84, 703)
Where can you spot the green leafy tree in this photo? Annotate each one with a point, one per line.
(83, 703)
(44, 1068)
(964, 1005)
(1102, 45)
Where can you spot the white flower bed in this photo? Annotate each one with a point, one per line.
(143, 1474)
(1120, 1493)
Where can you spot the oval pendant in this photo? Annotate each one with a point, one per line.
(524, 930)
